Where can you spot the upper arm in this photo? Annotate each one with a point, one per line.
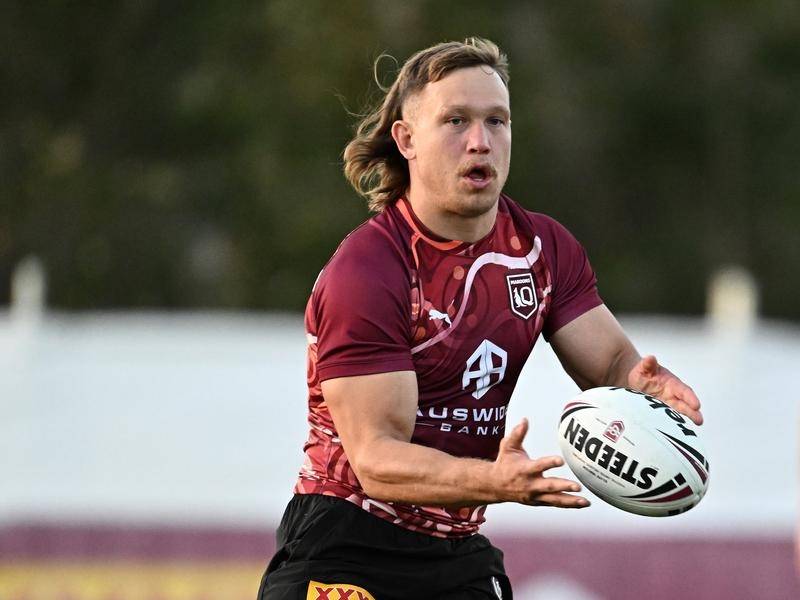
(574, 285)
(359, 315)
(360, 310)
(593, 349)
(367, 408)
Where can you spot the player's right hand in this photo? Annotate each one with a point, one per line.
(521, 479)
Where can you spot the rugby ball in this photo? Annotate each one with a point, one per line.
(633, 451)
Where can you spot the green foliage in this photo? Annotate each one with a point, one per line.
(187, 154)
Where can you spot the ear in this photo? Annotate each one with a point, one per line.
(404, 138)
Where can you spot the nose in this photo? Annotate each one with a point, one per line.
(478, 139)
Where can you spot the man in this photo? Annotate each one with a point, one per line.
(418, 328)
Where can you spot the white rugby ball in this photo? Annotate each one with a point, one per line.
(634, 451)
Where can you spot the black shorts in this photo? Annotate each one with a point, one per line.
(330, 549)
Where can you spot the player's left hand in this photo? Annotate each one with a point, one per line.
(651, 378)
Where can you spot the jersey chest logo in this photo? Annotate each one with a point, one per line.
(522, 295)
(486, 368)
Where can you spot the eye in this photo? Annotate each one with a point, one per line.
(496, 121)
(456, 121)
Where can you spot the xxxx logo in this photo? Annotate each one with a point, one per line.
(336, 591)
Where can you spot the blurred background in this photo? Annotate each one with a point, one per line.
(170, 186)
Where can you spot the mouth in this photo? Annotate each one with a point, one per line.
(479, 176)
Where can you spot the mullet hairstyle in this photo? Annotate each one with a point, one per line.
(372, 163)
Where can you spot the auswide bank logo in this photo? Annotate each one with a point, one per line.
(485, 368)
(522, 293)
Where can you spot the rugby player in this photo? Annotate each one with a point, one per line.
(418, 328)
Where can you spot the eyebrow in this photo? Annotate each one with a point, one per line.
(497, 108)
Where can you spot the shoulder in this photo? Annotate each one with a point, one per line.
(543, 225)
(553, 234)
(573, 281)
(370, 266)
(562, 250)
(549, 225)
(360, 305)
(373, 249)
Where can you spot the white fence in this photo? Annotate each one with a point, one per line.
(200, 418)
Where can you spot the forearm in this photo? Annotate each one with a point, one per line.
(394, 470)
(620, 366)
(375, 419)
(595, 350)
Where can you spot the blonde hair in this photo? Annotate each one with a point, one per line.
(372, 163)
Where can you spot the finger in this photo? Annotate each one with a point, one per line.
(547, 485)
(517, 435)
(695, 415)
(690, 398)
(560, 501)
(685, 409)
(540, 465)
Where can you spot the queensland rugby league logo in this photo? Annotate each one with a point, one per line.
(614, 430)
(522, 293)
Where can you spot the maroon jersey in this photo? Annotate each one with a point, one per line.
(464, 317)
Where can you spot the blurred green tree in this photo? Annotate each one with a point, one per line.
(188, 154)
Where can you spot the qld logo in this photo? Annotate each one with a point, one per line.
(522, 293)
(614, 430)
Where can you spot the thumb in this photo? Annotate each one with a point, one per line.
(643, 370)
(513, 441)
(649, 365)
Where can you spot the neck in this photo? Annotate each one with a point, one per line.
(453, 225)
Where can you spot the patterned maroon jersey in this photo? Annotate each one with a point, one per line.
(464, 317)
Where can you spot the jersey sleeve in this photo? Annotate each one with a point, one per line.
(360, 309)
(574, 282)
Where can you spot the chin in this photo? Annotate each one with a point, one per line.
(476, 204)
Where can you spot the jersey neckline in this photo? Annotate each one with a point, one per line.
(441, 243)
